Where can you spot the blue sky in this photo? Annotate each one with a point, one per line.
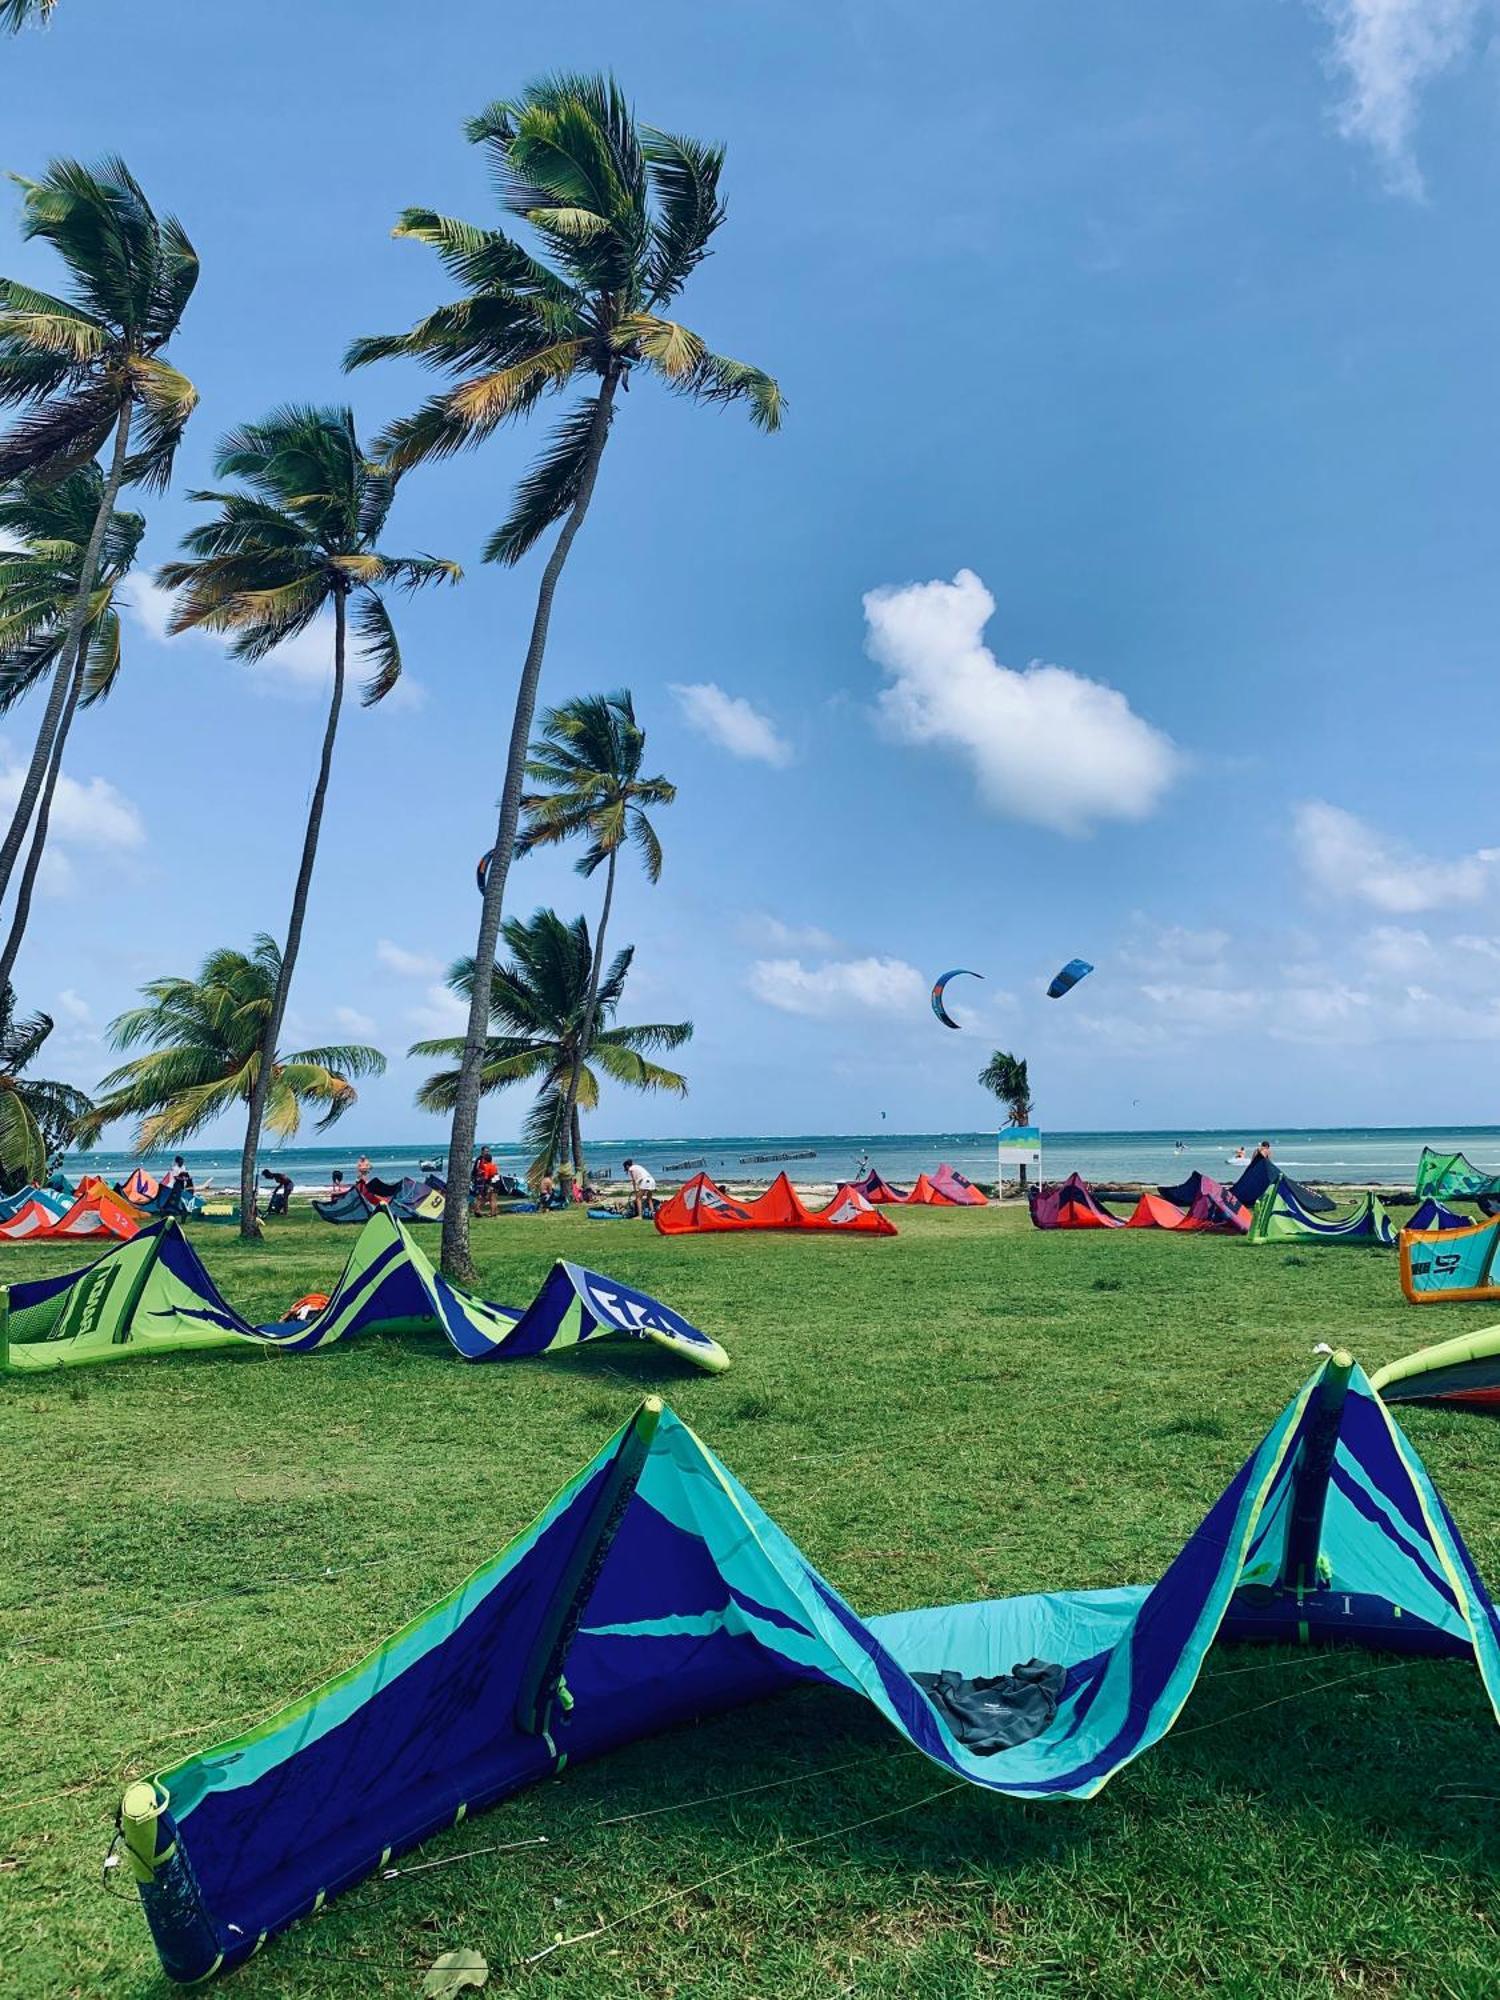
(1123, 583)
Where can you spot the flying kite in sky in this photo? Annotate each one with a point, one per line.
(1067, 979)
(483, 869)
(958, 972)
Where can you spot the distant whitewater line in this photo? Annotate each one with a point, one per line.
(1352, 1154)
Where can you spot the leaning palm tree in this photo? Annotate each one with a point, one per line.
(88, 370)
(205, 1038)
(624, 214)
(588, 762)
(14, 14)
(37, 1118)
(1006, 1076)
(297, 540)
(47, 525)
(536, 1007)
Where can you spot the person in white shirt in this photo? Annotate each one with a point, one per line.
(642, 1187)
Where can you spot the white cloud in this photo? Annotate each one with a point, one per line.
(441, 1012)
(1389, 51)
(75, 1007)
(1045, 744)
(879, 985)
(408, 964)
(773, 935)
(731, 722)
(354, 1023)
(1344, 856)
(85, 813)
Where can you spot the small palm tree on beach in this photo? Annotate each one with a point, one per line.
(44, 531)
(586, 764)
(89, 370)
(537, 1006)
(294, 541)
(204, 1038)
(37, 1118)
(624, 215)
(1005, 1075)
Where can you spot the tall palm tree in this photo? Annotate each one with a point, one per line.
(624, 214)
(536, 1007)
(49, 524)
(588, 759)
(14, 14)
(37, 1118)
(88, 369)
(1006, 1076)
(205, 1038)
(296, 540)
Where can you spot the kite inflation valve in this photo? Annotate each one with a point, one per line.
(170, 1896)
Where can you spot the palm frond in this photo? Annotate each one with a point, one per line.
(549, 487)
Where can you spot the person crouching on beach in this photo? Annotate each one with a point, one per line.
(642, 1190)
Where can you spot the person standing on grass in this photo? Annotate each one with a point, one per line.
(642, 1188)
(486, 1173)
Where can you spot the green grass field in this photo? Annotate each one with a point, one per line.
(971, 1409)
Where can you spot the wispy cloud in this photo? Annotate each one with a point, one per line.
(771, 934)
(353, 1022)
(876, 985)
(407, 964)
(1045, 744)
(86, 813)
(1388, 51)
(731, 722)
(1345, 857)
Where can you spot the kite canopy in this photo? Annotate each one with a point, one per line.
(947, 1188)
(96, 1210)
(1068, 978)
(139, 1187)
(1213, 1211)
(953, 1186)
(701, 1207)
(654, 1589)
(878, 1191)
(350, 1206)
(153, 1296)
(1451, 1174)
(419, 1201)
(958, 972)
(1280, 1218)
(1463, 1373)
(1432, 1215)
(1072, 1205)
(1263, 1173)
(1450, 1264)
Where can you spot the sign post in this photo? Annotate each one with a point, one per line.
(1020, 1156)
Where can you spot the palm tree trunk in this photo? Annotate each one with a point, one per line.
(458, 1266)
(260, 1090)
(586, 1033)
(36, 771)
(24, 893)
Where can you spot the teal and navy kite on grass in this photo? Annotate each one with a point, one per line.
(153, 1295)
(654, 1590)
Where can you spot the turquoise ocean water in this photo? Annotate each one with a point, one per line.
(1349, 1154)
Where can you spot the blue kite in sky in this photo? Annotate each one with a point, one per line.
(958, 972)
(1068, 978)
